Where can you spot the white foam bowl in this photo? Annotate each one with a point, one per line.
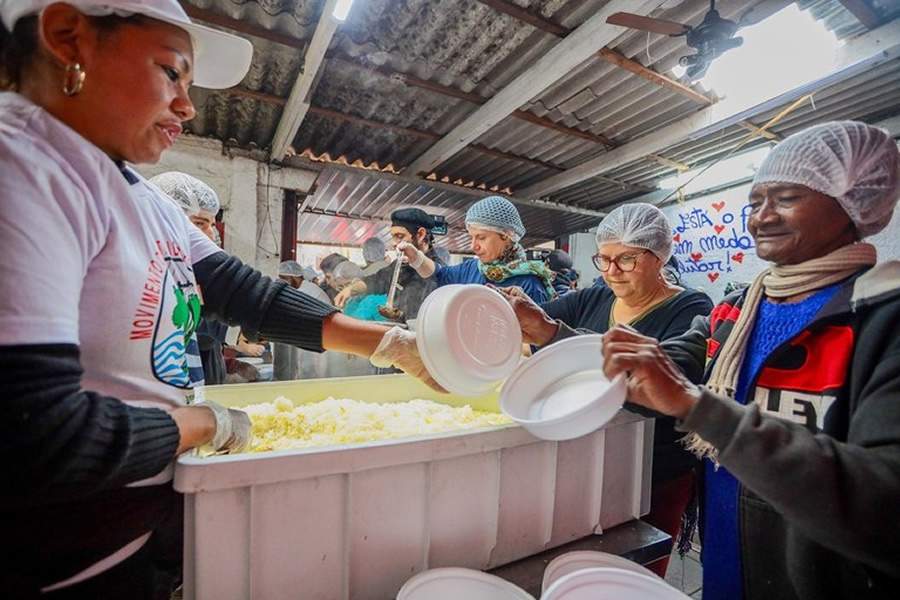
(561, 392)
(468, 337)
(570, 562)
(460, 584)
(607, 582)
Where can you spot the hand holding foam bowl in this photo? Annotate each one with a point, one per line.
(469, 340)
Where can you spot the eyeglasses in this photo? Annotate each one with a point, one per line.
(624, 262)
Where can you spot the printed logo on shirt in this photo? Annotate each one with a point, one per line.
(810, 373)
(804, 409)
(168, 314)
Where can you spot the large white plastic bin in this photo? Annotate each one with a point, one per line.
(355, 522)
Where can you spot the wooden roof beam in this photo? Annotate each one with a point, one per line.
(703, 122)
(299, 101)
(574, 49)
(214, 18)
(633, 66)
(534, 19)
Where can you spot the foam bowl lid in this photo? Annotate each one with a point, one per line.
(468, 337)
(561, 392)
(454, 583)
(607, 582)
(577, 560)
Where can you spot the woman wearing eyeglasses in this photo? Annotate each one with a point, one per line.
(634, 243)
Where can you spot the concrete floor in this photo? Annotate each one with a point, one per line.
(686, 574)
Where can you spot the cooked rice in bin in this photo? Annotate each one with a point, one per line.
(280, 425)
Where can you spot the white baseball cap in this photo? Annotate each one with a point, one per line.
(220, 59)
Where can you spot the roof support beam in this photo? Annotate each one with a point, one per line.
(476, 193)
(208, 16)
(700, 124)
(526, 16)
(577, 47)
(298, 102)
(633, 66)
(333, 114)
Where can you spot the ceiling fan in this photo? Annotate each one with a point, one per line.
(712, 37)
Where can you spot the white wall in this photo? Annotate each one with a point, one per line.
(251, 194)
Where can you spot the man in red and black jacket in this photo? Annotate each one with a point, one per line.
(800, 408)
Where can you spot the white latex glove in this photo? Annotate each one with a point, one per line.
(232, 428)
(413, 255)
(398, 349)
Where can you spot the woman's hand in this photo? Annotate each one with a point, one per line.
(227, 429)
(537, 327)
(654, 381)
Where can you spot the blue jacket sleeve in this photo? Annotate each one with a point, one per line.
(454, 274)
(535, 289)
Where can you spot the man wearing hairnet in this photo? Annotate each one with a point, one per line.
(198, 201)
(201, 204)
(799, 414)
(634, 243)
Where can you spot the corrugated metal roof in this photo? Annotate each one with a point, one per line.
(345, 199)
(365, 110)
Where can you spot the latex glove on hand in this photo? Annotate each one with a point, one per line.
(537, 326)
(398, 349)
(413, 255)
(232, 428)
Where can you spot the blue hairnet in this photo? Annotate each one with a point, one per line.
(496, 213)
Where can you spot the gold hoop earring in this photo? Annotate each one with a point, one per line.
(73, 80)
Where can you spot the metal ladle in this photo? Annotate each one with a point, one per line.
(388, 311)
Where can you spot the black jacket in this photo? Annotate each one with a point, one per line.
(588, 309)
(413, 288)
(817, 451)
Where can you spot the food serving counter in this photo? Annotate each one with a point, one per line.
(356, 521)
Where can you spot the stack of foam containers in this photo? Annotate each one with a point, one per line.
(356, 522)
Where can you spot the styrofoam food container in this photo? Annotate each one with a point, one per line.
(460, 584)
(608, 582)
(561, 392)
(587, 559)
(468, 337)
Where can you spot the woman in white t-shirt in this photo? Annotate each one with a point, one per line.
(100, 295)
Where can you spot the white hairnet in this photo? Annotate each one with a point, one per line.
(290, 268)
(191, 194)
(639, 225)
(496, 213)
(856, 164)
(309, 273)
(373, 249)
(346, 272)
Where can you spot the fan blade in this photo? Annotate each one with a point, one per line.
(761, 11)
(650, 24)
